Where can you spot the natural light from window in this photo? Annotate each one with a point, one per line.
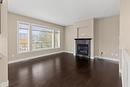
(42, 37)
(23, 37)
(34, 37)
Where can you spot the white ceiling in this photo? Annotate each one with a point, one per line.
(64, 12)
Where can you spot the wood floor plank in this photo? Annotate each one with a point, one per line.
(64, 70)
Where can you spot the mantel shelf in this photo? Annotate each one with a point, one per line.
(83, 39)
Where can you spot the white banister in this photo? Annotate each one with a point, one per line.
(125, 68)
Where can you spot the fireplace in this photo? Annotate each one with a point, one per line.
(83, 47)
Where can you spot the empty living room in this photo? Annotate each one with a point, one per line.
(64, 43)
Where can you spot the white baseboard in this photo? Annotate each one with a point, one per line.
(34, 57)
(92, 57)
(107, 58)
(75, 54)
(29, 58)
(120, 72)
(69, 52)
(4, 84)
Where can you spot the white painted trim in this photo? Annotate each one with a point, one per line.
(125, 68)
(75, 54)
(34, 57)
(107, 58)
(4, 84)
(92, 57)
(120, 72)
(69, 52)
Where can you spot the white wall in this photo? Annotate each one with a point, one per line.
(107, 37)
(3, 45)
(12, 26)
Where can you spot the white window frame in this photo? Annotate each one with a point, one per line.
(59, 38)
(40, 49)
(20, 22)
(30, 37)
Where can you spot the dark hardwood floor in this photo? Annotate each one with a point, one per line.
(64, 70)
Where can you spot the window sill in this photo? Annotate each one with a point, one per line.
(44, 49)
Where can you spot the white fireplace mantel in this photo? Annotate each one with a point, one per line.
(85, 29)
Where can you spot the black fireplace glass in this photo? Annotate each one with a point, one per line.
(83, 49)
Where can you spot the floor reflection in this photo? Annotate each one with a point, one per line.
(64, 70)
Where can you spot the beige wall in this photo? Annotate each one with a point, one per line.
(71, 33)
(12, 26)
(124, 28)
(125, 24)
(3, 44)
(106, 33)
(106, 36)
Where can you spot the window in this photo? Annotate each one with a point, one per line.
(42, 37)
(34, 37)
(23, 37)
(57, 38)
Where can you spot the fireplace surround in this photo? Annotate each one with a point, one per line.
(83, 47)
